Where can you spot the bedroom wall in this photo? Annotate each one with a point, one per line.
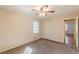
(15, 29)
(53, 28)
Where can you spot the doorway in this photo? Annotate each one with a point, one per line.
(69, 33)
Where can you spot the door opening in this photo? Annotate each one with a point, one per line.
(69, 33)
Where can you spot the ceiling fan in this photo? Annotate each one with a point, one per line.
(43, 10)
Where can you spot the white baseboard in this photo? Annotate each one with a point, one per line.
(15, 45)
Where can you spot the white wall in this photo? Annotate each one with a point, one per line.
(53, 28)
(15, 29)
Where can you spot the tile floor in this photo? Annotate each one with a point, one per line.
(42, 46)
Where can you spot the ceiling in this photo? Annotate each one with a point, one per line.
(60, 10)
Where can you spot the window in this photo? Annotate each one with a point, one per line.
(35, 26)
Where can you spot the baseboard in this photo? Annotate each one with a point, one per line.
(53, 41)
(15, 46)
(12, 47)
(23, 43)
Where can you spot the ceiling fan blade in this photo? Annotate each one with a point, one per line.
(36, 14)
(50, 11)
(34, 10)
